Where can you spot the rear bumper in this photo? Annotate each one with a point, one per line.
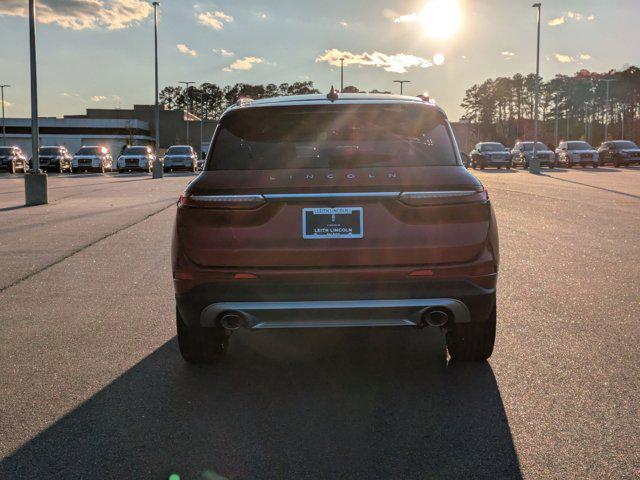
(339, 304)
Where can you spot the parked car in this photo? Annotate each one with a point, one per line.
(490, 154)
(619, 152)
(92, 159)
(572, 153)
(522, 154)
(466, 159)
(13, 160)
(54, 159)
(334, 211)
(180, 157)
(136, 158)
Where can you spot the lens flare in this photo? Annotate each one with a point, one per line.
(441, 19)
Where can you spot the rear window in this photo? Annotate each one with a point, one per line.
(331, 136)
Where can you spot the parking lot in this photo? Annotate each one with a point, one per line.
(93, 385)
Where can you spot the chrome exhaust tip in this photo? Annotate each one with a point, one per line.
(435, 318)
(230, 321)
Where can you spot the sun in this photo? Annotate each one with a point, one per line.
(441, 19)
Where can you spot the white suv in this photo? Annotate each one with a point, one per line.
(573, 153)
(180, 157)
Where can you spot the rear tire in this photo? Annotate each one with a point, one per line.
(472, 342)
(201, 345)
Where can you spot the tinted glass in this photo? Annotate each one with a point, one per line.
(539, 146)
(6, 150)
(492, 147)
(92, 151)
(331, 136)
(136, 151)
(50, 151)
(179, 151)
(625, 144)
(579, 146)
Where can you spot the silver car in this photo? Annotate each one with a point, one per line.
(136, 158)
(92, 159)
(522, 154)
(573, 153)
(181, 157)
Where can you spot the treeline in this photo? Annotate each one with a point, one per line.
(209, 100)
(502, 108)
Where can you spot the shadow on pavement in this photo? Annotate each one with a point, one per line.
(617, 192)
(347, 404)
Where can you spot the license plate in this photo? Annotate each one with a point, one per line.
(342, 222)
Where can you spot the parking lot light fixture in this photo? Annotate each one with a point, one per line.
(401, 82)
(4, 132)
(186, 89)
(157, 164)
(534, 164)
(35, 183)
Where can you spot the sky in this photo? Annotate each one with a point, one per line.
(99, 53)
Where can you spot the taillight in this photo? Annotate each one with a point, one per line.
(443, 197)
(240, 202)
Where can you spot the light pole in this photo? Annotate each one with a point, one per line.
(607, 107)
(534, 165)
(157, 165)
(341, 74)
(556, 123)
(401, 82)
(202, 95)
(186, 86)
(4, 132)
(35, 183)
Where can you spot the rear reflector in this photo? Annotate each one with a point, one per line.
(485, 268)
(443, 197)
(245, 276)
(221, 201)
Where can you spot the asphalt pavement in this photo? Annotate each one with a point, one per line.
(92, 384)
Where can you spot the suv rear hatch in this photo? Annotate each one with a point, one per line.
(333, 185)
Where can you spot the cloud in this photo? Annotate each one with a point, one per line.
(245, 63)
(223, 52)
(398, 63)
(186, 50)
(564, 58)
(344, 24)
(507, 53)
(67, 94)
(585, 56)
(262, 15)
(83, 14)
(575, 16)
(215, 20)
(411, 17)
(7, 104)
(98, 98)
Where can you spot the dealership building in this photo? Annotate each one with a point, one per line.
(113, 128)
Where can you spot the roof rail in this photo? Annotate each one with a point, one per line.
(333, 94)
(425, 98)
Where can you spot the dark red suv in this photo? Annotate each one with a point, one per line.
(335, 211)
